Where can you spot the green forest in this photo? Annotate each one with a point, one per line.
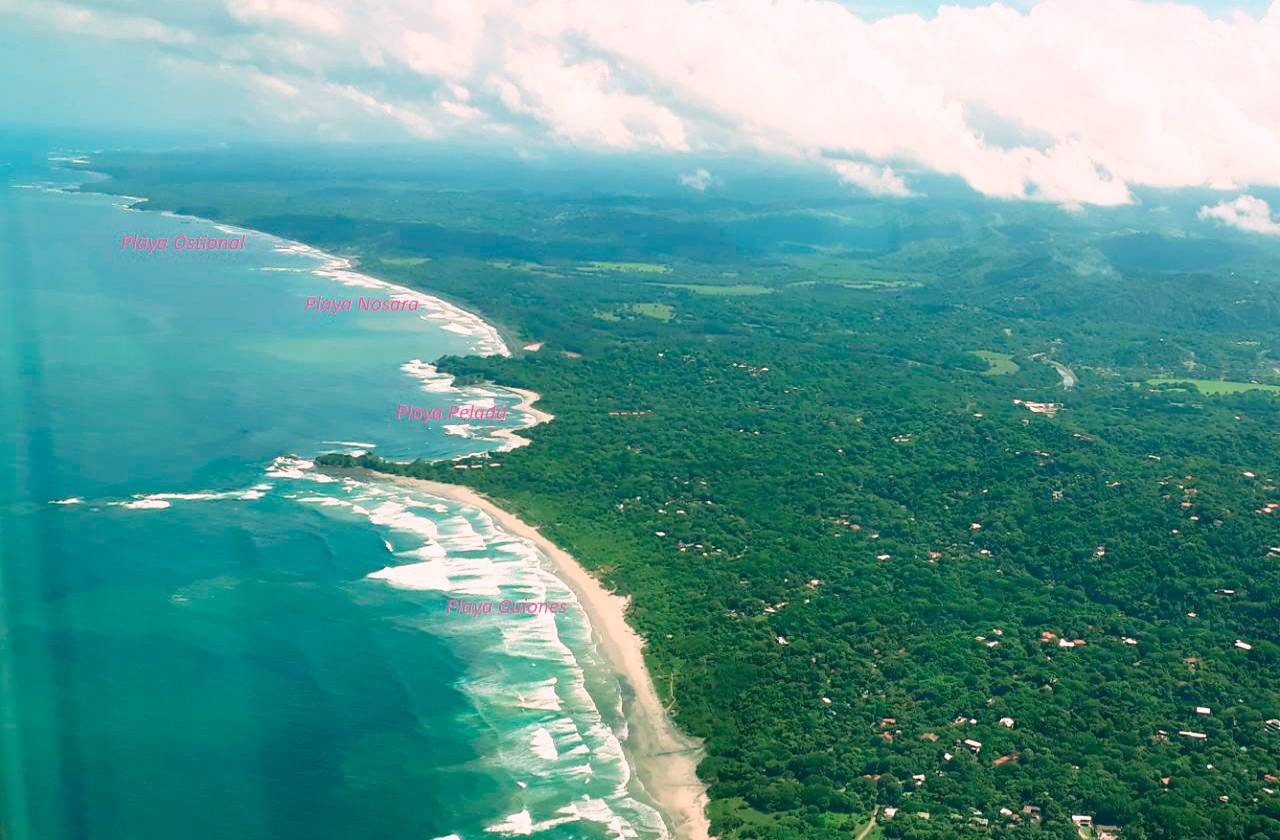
(919, 503)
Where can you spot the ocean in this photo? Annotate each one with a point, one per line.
(201, 635)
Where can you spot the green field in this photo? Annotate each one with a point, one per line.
(405, 261)
(631, 267)
(1216, 386)
(870, 285)
(661, 311)
(1001, 363)
(724, 291)
(524, 265)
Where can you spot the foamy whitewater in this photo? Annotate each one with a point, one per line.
(542, 701)
(486, 340)
(536, 680)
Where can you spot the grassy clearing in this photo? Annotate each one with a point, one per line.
(1000, 363)
(869, 285)
(876, 833)
(634, 267)
(1216, 386)
(661, 311)
(753, 823)
(720, 291)
(524, 265)
(406, 261)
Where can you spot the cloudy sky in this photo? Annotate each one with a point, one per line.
(1070, 101)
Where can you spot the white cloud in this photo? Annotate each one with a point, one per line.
(699, 179)
(273, 84)
(414, 122)
(1247, 212)
(301, 14)
(877, 180)
(111, 25)
(1069, 101)
(584, 102)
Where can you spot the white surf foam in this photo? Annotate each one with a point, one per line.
(429, 575)
(324, 501)
(520, 824)
(549, 727)
(142, 504)
(486, 340)
(396, 516)
(539, 696)
(543, 745)
(526, 677)
(432, 380)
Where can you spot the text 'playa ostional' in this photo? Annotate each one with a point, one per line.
(181, 242)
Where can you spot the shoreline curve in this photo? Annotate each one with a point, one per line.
(664, 759)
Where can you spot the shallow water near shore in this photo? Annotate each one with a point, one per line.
(205, 637)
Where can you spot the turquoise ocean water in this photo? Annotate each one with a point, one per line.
(200, 635)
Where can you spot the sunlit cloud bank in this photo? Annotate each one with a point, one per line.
(697, 180)
(1247, 213)
(1075, 102)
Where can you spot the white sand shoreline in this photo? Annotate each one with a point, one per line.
(664, 759)
(511, 438)
(486, 339)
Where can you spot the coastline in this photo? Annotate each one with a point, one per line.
(503, 336)
(511, 438)
(487, 339)
(664, 759)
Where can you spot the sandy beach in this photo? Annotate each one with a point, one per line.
(527, 399)
(511, 438)
(665, 760)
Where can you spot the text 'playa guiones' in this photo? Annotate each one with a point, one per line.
(476, 608)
